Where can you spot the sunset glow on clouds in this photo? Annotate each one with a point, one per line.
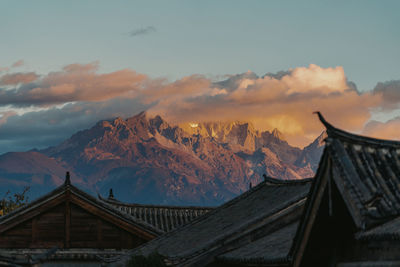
(78, 96)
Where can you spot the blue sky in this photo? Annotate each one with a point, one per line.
(205, 37)
(123, 57)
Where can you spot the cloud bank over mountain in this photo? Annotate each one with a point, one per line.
(51, 107)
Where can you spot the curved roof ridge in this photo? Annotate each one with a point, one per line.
(120, 203)
(354, 138)
(62, 189)
(52, 194)
(277, 181)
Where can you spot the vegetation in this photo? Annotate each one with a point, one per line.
(152, 260)
(11, 202)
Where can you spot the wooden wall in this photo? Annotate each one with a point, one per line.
(68, 226)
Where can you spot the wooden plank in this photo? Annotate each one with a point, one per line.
(67, 239)
(32, 213)
(34, 230)
(112, 218)
(99, 233)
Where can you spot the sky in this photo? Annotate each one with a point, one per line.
(67, 64)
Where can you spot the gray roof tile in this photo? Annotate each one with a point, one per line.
(273, 247)
(164, 218)
(229, 221)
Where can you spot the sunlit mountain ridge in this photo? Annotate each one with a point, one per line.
(145, 159)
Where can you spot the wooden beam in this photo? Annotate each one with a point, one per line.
(311, 211)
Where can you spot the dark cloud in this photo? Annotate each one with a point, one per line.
(390, 92)
(142, 31)
(278, 75)
(41, 129)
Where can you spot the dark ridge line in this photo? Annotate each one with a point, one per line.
(354, 138)
(117, 202)
(277, 181)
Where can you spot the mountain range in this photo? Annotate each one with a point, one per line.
(147, 160)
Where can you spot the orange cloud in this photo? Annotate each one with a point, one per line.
(383, 130)
(19, 63)
(74, 83)
(285, 100)
(315, 78)
(5, 115)
(285, 103)
(18, 78)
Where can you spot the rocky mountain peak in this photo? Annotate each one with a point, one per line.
(312, 153)
(277, 134)
(192, 163)
(320, 141)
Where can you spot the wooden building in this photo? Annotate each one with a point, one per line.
(352, 216)
(349, 216)
(69, 226)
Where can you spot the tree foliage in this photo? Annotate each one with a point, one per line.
(11, 202)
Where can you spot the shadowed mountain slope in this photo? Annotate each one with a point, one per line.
(146, 159)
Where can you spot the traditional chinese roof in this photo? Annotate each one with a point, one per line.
(81, 198)
(367, 172)
(262, 210)
(386, 231)
(269, 250)
(164, 218)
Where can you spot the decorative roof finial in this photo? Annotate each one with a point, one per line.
(111, 195)
(327, 125)
(67, 179)
(265, 177)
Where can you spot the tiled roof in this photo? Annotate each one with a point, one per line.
(238, 219)
(67, 186)
(164, 218)
(386, 231)
(24, 257)
(272, 248)
(367, 172)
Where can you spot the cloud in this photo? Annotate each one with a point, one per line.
(44, 128)
(18, 78)
(284, 100)
(76, 82)
(167, 92)
(5, 115)
(17, 64)
(142, 31)
(390, 92)
(383, 130)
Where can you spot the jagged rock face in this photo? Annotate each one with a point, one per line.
(311, 154)
(150, 161)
